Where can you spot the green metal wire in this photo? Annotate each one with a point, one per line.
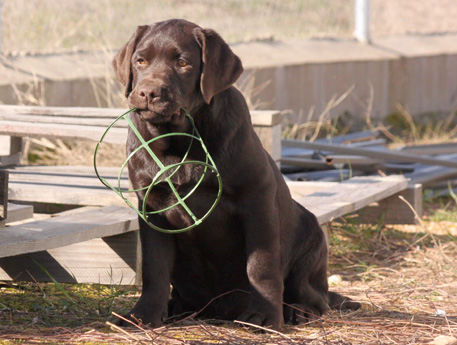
(161, 174)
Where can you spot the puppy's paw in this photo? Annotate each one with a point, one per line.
(269, 320)
(337, 301)
(295, 314)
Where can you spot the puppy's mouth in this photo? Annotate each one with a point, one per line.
(160, 118)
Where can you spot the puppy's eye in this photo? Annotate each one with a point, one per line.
(182, 63)
(141, 61)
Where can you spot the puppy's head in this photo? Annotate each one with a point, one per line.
(174, 64)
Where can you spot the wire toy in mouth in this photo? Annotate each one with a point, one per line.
(161, 175)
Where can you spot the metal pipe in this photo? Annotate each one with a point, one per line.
(362, 21)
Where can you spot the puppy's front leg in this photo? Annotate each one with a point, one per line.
(264, 270)
(158, 255)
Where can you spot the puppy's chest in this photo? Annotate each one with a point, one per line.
(174, 172)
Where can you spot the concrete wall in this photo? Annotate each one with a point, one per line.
(418, 72)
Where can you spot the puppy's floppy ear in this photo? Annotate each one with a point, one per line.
(121, 61)
(221, 67)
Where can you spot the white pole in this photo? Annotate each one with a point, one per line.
(362, 21)
(1, 41)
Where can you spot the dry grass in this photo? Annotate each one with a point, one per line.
(54, 25)
(405, 277)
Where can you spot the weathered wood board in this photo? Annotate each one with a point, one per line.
(111, 260)
(18, 212)
(351, 195)
(3, 196)
(392, 210)
(63, 131)
(78, 123)
(67, 185)
(65, 230)
(67, 248)
(395, 209)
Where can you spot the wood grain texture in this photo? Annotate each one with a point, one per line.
(65, 230)
(19, 212)
(394, 210)
(111, 260)
(351, 195)
(3, 196)
(77, 123)
(62, 131)
(68, 185)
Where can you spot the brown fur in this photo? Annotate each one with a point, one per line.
(259, 257)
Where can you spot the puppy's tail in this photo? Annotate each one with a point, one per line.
(337, 301)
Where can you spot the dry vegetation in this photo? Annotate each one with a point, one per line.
(405, 276)
(54, 25)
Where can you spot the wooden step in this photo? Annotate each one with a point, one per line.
(67, 185)
(17, 213)
(65, 230)
(351, 195)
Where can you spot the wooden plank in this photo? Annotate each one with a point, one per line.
(351, 195)
(3, 196)
(72, 176)
(66, 196)
(62, 111)
(112, 260)
(67, 185)
(14, 159)
(335, 175)
(388, 155)
(300, 189)
(393, 210)
(68, 120)
(68, 132)
(258, 117)
(18, 212)
(65, 230)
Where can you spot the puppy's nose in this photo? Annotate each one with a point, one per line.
(150, 94)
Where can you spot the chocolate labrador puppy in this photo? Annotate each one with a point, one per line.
(259, 257)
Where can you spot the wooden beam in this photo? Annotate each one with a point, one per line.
(110, 260)
(3, 197)
(65, 230)
(63, 131)
(18, 212)
(300, 189)
(67, 185)
(351, 195)
(395, 209)
(67, 120)
(62, 111)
